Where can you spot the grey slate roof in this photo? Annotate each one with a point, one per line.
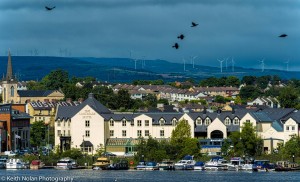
(34, 93)
(295, 116)
(67, 112)
(261, 116)
(278, 113)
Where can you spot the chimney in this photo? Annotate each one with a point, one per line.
(69, 100)
(46, 100)
(80, 100)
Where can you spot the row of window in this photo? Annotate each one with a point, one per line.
(146, 123)
(227, 121)
(64, 123)
(139, 133)
(290, 128)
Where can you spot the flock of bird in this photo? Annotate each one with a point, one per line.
(181, 36)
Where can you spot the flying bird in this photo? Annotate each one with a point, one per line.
(194, 24)
(176, 46)
(49, 9)
(181, 36)
(283, 35)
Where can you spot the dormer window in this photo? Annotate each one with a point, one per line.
(162, 122)
(227, 121)
(174, 122)
(207, 121)
(198, 121)
(124, 122)
(111, 122)
(236, 121)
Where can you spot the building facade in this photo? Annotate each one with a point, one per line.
(90, 126)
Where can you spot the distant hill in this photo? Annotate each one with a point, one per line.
(124, 69)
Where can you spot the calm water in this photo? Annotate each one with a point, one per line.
(53, 175)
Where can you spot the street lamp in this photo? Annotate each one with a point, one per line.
(83, 149)
(293, 158)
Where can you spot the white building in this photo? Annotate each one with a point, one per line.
(91, 125)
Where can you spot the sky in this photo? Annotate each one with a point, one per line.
(245, 31)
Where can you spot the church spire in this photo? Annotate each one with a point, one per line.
(9, 73)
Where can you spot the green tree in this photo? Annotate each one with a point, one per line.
(251, 143)
(55, 79)
(181, 138)
(249, 80)
(292, 147)
(288, 97)
(151, 100)
(249, 92)
(37, 133)
(123, 100)
(233, 81)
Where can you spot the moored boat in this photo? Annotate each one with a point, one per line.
(151, 166)
(102, 163)
(119, 165)
(66, 163)
(199, 166)
(36, 164)
(236, 164)
(16, 164)
(262, 166)
(3, 160)
(216, 163)
(187, 163)
(166, 165)
(141, 165)
(286, 166)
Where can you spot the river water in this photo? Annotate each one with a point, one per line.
(87, 175)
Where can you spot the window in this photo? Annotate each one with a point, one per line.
(87, 133)
(69, 123)
(132, 123)
(139, 133)
(111, 122)
(58, 133)
(87, 123)
(293, 128)
(12, 91)
(111, 133)
(162, 122)
(236, 121)
(123, 122)
(147, 133)
(162, 133)
(124, 133)
(227, 121)
(58, 122)
(287, 128)
(198, 121)
(69, 133)
(139, 122)
(207, 121)
(247, 121)
(174, 122)
(146, 122)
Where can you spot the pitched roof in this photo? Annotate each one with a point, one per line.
(35, 93)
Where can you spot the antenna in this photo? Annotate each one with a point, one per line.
(135, 60)
(232, 64)
(262, 64)
(221, 64)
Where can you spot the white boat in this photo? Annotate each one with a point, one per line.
(185, 164)
(66, 163)
(247, 167)
(151, 166)
(216, 163)
(16, 164)
(236, 164)
(199, 166)
(141, 165)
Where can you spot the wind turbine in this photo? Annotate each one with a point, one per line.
(287, 65)
(183, 64)
(193, 60)
(232, 64)
(221, 64)
(226, 62)
(262, 64)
